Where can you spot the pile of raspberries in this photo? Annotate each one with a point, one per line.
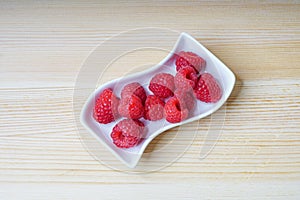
(172, 99)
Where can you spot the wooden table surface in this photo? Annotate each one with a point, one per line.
(42, 47)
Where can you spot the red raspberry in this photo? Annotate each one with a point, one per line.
(136, 89)
(162, 85)
(185, 98)
(131, 107)
(175, 111)
(154, 108)
(186, 79)
(106, 107)
(186, 59)
(127, 133)
(207, 89)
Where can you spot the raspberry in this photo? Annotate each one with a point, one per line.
(127, 133)
(186, 79)
(186, 59)
(175, 111)
(106, 107)
(154, 108)
(207, 89)
(162, 85)
(185, 98)
(131, 107)
(136, 89)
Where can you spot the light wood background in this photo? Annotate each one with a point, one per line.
(42, 47)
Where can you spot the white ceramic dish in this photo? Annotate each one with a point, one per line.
(131, 156)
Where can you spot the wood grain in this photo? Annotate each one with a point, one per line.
(42, 47)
